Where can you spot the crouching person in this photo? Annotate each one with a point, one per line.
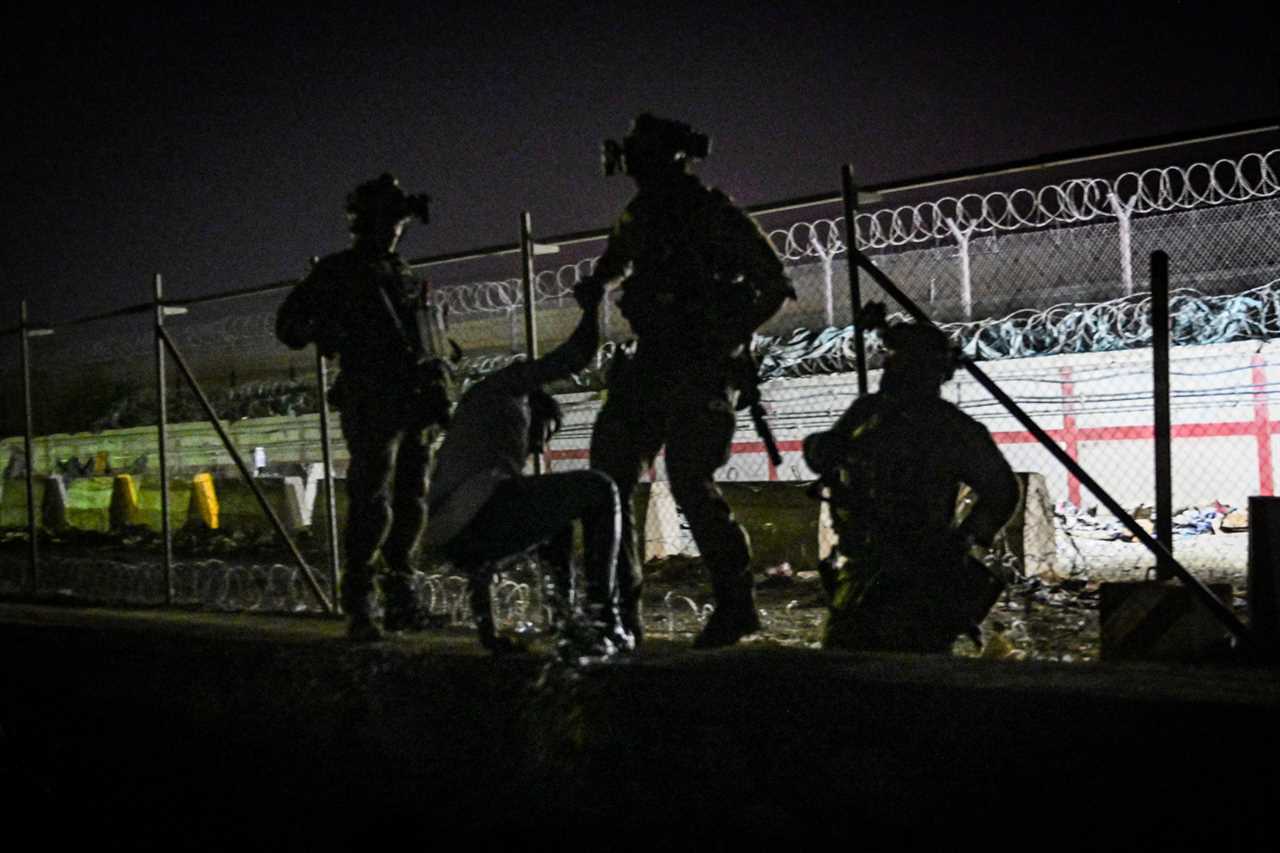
(484, 509)
(893, 465)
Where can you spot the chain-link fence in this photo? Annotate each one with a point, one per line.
(1047, 283)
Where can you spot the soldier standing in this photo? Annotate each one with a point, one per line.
(700, 277)
(894, 463)
(364, 306)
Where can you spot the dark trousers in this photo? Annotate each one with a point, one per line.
(390, 452)
(692, 415)
(905, 599)
(540, 510)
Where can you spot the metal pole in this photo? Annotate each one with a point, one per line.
(244, 469)
(28, 448)
(850, 192)
(162, 429)
(1124, 222)
(1160, 390)
(1264, 569)
(530, 319)
(966, 266)
(326, 454)
(1220, 611)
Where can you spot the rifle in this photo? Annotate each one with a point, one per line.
(748, 382)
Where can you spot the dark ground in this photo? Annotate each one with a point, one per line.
(140, 728)
(1044, 619)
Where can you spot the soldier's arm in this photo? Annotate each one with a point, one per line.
(621, 251)
(306, 315)
(824, 450)
(570, 357)
(762, 270)
(987, 472)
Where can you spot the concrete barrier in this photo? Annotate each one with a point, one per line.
(13, 503)
(53, 508)
(238, 508)
(149, 504)
(89, 503)
(780, 519)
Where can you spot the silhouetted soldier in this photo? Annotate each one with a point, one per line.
(894, 463)
(364, 305)
(484, 509)
(700, 278)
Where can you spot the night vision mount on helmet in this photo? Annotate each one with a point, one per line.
(923, 344)
(382, 199)
(656, 141)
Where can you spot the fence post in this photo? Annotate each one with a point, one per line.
(24, 332)
(249, 480)
(1124, 218)
(326, 458)
(1160, 390)
(850, 192)
(530, 319)
(828, 292)
(606, 310)
(966, 281)
(162, 428)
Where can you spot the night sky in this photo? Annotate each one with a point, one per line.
(217, 148)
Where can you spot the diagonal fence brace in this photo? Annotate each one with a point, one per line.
(1201, 592)
(244, 469)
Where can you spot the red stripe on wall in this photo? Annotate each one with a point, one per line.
(1262, 426)
(1070, 437)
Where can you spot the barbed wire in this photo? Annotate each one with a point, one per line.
(1165, 189)
(522, 596)
(1117, 324)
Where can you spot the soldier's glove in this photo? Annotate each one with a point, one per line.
(588, 293)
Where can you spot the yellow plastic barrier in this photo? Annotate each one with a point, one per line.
(204, 502)
(124, 501)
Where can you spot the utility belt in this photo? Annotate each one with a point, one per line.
(658, 364)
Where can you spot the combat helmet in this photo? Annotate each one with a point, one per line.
(380, 201)
(920, 349)
(654, 143)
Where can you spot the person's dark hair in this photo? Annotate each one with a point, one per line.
(544, 419)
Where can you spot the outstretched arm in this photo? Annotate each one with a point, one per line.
(573, 355)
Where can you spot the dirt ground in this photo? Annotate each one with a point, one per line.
(1050, 617)
(1053, 617)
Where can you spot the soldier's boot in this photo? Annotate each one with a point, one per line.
(735, 615)
(360, 603)
(403, 611)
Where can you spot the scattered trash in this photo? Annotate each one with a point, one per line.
(1190, 521)
(1236, 521)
